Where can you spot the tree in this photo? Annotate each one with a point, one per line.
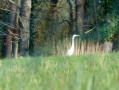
(25, 25)
(8, 39)
(16, 31)
(71, 16)
(51, 16)
(79, 10)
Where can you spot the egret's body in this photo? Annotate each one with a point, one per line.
(71, 50)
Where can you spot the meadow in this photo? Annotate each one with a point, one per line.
(81, 72)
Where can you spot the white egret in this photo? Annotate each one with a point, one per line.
(71, 50)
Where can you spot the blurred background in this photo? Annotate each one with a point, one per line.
(45, 27)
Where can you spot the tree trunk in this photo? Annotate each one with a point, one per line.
(71, 23)
(25, 25)
(8, 44)
(79, 9)
(95, 11)
(16, 32)
(9, 31)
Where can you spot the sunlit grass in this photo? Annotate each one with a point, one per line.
(83, 72)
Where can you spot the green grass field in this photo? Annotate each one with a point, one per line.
(83, 72)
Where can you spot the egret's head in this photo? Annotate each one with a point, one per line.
(75, 35)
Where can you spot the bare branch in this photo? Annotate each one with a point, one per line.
(14, 3)
(6, 24)
(90, 30)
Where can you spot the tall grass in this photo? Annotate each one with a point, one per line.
(83, 72)
(81, 47)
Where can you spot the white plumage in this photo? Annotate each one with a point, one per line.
(71, 50)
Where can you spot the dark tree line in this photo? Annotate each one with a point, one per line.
(33, 24)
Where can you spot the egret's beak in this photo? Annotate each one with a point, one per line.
(78, 35)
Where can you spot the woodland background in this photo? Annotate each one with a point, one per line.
(45, 27)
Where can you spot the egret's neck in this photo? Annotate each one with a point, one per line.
(72, 42)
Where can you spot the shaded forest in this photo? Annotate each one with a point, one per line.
(45, 27)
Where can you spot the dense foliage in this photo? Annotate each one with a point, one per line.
(53, 20)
